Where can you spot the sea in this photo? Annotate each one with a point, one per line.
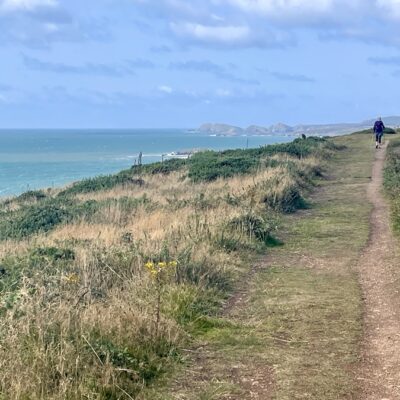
(39, 159)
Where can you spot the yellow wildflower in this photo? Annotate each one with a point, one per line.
(149, 265)
(72, 278)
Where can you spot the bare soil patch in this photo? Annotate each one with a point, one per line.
(378, 267)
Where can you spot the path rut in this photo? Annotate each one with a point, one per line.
(380, 372)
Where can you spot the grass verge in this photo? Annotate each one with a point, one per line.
(392, 180)
(294, 331)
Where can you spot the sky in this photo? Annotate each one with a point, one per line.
(180, 63)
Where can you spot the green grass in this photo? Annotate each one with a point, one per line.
(203, 166)
(44, 216)
(298, 328)
(392, 181)
(211, 165)
(118, 344)
(39, 213)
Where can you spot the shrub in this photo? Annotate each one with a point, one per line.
(32, 220)
(389, 131)
(286, 198)
(33, 195)
(204, 274)
(105, 182)
(38, 267)
(210, 165)
(165, 167)
(54, 253)
(253, 226)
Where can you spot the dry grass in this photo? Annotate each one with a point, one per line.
(85, 327)
(295, 327)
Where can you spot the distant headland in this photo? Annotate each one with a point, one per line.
(281, 129)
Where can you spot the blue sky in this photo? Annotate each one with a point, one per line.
(176, 63)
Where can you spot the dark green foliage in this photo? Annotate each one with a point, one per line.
(228, 243)
(287, 201)
(100, 183)
(387, 131)
(32, 220)
(211, 165)
(204, 275)
(54, 253)
(48, 214)
(299, 147)
(32, 195)
(253, 226)
(392, 181)
(38, 264)
(126, 177)
(142, 361)
(139, 362)
(43, 217)
(165, 167)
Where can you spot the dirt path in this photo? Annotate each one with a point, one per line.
(380, 375)
(294, 327)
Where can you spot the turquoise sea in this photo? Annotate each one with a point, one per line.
(33, 159)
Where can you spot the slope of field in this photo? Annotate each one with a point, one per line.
(103, 284)
(260, 274)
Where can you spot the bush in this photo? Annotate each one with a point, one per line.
(32, 220)
(105, 182)
(205, 275)
(253, 226)
(288, 199)
(37, 267)
(44, 216)
(210, 165)
(54, 253)
(389, 131)
(33, 195)
(165, 167)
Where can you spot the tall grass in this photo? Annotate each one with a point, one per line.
(80, 317)
(392, 181)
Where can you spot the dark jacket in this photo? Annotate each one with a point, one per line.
(379, 127)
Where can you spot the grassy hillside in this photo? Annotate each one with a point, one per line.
(392, 180)
(102, 284)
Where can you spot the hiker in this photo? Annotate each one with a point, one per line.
(378, 131)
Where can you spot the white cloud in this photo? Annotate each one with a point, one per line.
(275, 23)
(209, 33)
(165, 89)
(390, 6)
(51, 27)
(25, 5)
(223, 93)
(283, 6)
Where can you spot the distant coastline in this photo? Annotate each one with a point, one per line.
(281, 129)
